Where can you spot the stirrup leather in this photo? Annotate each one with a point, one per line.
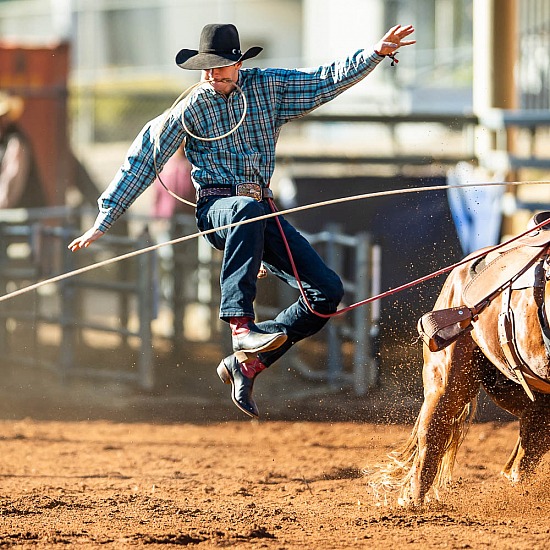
(506, 336)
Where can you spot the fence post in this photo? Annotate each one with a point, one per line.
(68, 321)
(180, 274)
(146, 305)
(334, 352)
(361, 317)
(3, 288)
(374, 333)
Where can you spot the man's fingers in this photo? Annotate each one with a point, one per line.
(394, 38)
(404, 31)
(85, 240)
(76, 245)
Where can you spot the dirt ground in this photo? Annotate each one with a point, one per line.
(274, 485)
(113, 469)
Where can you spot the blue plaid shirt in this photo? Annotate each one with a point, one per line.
(274, 97)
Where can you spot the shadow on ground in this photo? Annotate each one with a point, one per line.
(189, 390)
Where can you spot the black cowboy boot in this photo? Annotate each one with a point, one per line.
(252, 339)
(241, 376)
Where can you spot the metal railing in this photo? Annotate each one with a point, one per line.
(124, 299)
(30, 253)
(359, 328)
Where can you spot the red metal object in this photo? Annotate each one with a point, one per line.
(39, 75)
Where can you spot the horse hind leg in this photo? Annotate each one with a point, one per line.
(510, 469)
(533, 441)
(512, 398)
(450, 386)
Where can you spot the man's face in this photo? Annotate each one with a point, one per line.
(222, 78)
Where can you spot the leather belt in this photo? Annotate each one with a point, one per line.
(252, 190)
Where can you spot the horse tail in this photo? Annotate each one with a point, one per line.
(385, 481)
(393, 480)
(459, 428)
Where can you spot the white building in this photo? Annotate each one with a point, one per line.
(123, 56)
(136, 40)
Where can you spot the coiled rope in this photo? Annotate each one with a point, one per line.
(186, 94)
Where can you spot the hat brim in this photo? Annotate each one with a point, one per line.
(197, 61)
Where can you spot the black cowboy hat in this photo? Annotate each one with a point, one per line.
(219, 46)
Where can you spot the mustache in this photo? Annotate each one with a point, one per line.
(220, 80)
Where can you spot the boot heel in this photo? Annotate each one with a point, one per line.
(223, 373)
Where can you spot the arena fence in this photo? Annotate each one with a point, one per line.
(117, 301)
(117, 311)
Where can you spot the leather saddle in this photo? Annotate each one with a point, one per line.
(516, 265)
(506, 264)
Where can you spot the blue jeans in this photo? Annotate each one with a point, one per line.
(246, 246)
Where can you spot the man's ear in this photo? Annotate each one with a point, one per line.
(238, 65)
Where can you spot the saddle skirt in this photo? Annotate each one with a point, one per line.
(507, 264)
(507, 267)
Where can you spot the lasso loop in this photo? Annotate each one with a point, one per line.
(186, 94)
(228, 133)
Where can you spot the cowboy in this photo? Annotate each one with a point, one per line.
(231, 177)
(20, 183)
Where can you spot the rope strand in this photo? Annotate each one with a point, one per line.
(293, 210)
(400, 288)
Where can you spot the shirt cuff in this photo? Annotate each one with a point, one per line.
(102, 224)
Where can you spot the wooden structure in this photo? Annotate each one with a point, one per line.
(39, 76)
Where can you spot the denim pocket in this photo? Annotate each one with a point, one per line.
(204, 225)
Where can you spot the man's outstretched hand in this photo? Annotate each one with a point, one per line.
(394, 39)
(85, 240)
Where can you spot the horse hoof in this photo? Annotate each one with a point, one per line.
(513, 476)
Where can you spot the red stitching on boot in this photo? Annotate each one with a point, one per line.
(239, 325)
(251, 368)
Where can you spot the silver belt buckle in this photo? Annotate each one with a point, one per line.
(252, 190)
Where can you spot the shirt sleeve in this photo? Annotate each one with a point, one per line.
(154, 145)
(307, 89)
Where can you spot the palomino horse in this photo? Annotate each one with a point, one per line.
(498, 338)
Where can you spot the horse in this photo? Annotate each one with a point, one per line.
(500, 343)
